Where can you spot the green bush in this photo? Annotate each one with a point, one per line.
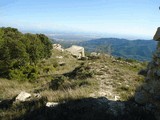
(29, 73)
(17, 74)
(18, 50)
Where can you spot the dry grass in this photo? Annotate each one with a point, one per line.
(10, 88)
(66, 95)
(118, 78)
(121, 76)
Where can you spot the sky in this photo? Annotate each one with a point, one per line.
(115, 17)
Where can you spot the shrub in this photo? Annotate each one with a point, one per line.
(17, 74)
(28, 72)
(18, 50)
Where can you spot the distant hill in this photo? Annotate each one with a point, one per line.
(135, 49)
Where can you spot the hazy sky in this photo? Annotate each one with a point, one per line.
(126, 17)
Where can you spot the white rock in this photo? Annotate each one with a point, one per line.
(51, 104)
(76, 51)
(23, 96)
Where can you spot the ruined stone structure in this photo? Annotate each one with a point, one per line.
(149, 93)
(76, 51)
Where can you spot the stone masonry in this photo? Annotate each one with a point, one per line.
(148, 94)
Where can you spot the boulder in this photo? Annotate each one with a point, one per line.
(23, 96)
(76, 51)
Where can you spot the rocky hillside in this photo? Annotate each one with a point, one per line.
(69, 85)
(100, 79)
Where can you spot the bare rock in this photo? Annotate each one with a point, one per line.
(58, 47)
(23, 96)
(76, 51)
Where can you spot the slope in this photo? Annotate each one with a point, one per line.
(136, 49)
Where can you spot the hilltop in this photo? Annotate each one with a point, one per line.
(99, 86)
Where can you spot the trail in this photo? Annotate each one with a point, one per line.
(106, 82)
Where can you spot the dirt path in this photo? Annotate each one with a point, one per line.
(117, 79)
(106, 83)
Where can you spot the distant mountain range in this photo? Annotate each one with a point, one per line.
(135, 49)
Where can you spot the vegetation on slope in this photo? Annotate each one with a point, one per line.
(19, 53)
(104, 75)
(134, 49)
(76, 80)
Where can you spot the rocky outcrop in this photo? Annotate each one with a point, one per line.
(76, 51)
(23, 96)
(58, 47)
(149, 93)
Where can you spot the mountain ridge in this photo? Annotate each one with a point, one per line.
(134, 49)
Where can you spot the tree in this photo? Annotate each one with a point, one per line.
(19, 53)
(47, 45)
(12, 55)
(34, 48)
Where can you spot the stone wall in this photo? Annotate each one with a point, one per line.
(148, 94)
